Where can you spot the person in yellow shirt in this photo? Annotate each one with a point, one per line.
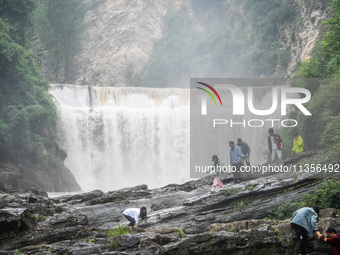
(298, 144)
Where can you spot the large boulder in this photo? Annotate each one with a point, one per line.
(43, 176)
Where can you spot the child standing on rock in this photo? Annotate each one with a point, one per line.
(218, 166)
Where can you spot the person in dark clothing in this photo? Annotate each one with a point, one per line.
(332, 239)
(245, 149)
(133, 215)
(304, 223)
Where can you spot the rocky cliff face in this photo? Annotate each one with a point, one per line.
(122, 35)
(56, 178)
(307, 31)
(182, 219)
(52, 176)
(121, 38)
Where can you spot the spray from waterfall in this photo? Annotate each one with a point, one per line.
(121, 137)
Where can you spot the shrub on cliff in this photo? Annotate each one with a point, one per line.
(327, 196)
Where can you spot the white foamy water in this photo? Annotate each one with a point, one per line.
(121, 137)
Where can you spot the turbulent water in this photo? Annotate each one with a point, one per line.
(120, 137)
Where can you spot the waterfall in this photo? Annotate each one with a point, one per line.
(121, 137)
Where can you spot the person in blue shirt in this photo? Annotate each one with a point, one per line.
(304, 223)
(235, 161)
(245, 149)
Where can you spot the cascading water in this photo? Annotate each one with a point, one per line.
(120, 137)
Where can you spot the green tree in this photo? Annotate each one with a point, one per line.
(27, 111)
(330, 138)
(60, 26)
(18, 14)
(324, 106)
(321, 129)
(266, 16)
(331, 41)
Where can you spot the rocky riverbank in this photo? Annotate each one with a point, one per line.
(182, 219)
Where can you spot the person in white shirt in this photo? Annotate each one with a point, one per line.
(133, 214)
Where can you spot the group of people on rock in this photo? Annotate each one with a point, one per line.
(304, 220)
(240, 156)
(275, 145)
(304, 225)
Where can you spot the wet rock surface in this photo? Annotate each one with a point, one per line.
(54, 177)
(182, 219)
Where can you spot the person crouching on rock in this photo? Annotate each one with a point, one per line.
(133, 214)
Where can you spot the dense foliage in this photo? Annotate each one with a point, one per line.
(60, 26)
(322, 70)
(267, 52)
(327, 196)
(27, 112)
(325, 60)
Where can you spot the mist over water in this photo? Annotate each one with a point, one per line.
(216, 139)
(121, 137)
